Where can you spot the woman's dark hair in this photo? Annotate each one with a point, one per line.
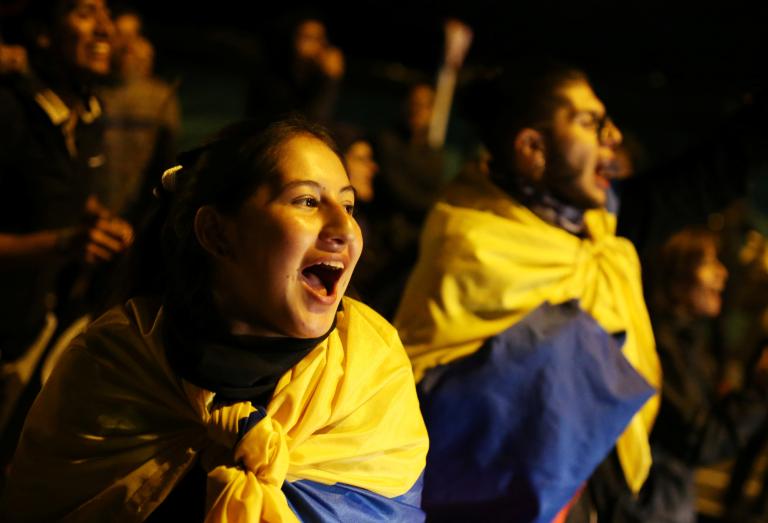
(347, 134)
(223, 173)
(672, 270)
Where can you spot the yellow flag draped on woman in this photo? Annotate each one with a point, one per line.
(115, 429)
(486, 261)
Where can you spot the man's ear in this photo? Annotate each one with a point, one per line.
(214, 232)
(530, 156)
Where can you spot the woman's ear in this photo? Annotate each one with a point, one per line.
(530, 157)
(214, 232)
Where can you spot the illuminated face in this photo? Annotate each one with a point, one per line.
(294, 247)
(421, 101)
(362, 168)
(310, 40)
(581, 155)
(85, 34)
(705, 296)
(128, 26)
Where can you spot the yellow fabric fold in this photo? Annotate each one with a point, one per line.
(114, 429)
(486, 261)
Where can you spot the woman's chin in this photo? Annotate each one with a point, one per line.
(313, 325)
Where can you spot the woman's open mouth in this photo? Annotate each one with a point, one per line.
(322, 278)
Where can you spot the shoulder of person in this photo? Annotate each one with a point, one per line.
(12, 108)
(129, 331)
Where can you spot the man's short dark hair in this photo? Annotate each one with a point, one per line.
(518, 96)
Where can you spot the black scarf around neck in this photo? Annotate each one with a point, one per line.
(234, 367)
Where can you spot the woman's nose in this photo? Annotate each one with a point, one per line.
(339, 228)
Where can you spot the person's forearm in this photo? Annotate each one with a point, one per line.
(438, 126)
(32, 248)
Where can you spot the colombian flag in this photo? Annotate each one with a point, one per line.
(115, 429)
(488, 264)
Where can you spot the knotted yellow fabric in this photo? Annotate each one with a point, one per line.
(261, 458)
(115, 429)
(486, 261)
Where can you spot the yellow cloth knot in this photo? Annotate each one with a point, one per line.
(257, 439)
(263, 451)
(224, 422)
(601, 247)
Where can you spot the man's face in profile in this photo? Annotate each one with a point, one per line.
(580, 150)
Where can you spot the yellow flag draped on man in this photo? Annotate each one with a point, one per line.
(525, 313)
(486, 261)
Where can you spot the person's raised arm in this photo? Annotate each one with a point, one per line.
(458, 37)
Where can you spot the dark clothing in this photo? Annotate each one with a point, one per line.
(714, 426)
(45, 180)
(412, 176)
(235, 367)
(606, 497)
(410, 181)
(142, 124)
(696, 426)
(274, 93)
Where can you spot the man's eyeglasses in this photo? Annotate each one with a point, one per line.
(602, 124)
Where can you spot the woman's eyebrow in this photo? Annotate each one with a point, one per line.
(295, 183)
(349, 188)
(315, 185)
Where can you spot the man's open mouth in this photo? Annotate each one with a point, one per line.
(322, 277)
(602, 180)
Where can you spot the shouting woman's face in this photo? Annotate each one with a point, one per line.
(294, 245)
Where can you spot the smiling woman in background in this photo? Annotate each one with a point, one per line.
(698, 424)
(241, 382)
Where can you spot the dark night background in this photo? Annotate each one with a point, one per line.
(670, 73)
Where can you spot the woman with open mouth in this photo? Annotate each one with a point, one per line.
(239, 385)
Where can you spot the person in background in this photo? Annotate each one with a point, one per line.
(361, 165)
(303, 74)
(52, 152)
(701, 420)
(13, 59)
(525, 320)
(142, 121)
(415, 165)
(362, 168)
(413, 172)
